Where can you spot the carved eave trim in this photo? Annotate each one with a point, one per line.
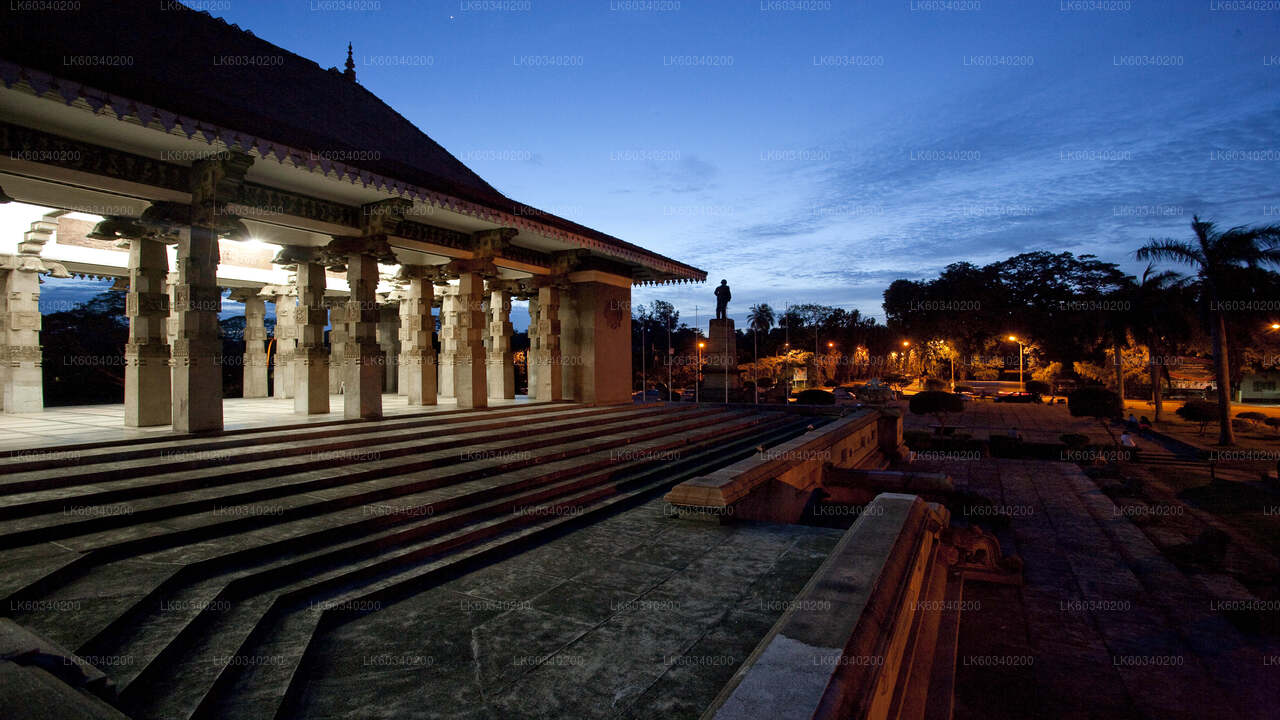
(47, 86)
(597, 276)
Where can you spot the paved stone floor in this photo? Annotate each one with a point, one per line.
(1036, 423)
(1106, 626)
(639, 616)
(102, 423)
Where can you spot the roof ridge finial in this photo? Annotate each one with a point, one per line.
(350, 72)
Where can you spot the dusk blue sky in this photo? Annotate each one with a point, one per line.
(844, 147)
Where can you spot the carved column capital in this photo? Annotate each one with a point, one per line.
(215, 181)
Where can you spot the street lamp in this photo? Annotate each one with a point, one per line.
(697, 383)
(1014, 338)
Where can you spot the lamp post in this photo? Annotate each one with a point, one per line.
(1021, 384)
(671, 354)
(755, 365)
(697, 383)
(906, 355)
(831, 350)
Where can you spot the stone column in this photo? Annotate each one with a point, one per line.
(197, 374)
(389, 341)
(4, 334)
(364, 359)
(418, 357)
(547, 355)
(311, 358)
(448, 338)
(286, 332)
(256, 363)
(337, 346)
(402, 345)
(501, 371)
(470, 386)
(147, 377)
(24, 381)
(531, 367)
(171, 323)
(601, 341)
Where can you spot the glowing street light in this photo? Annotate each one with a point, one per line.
(1021, 383)
(697, 385)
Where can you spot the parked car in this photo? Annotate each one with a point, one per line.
(648, 396)
(1018, 397)
(815, 397)
(687, 395)
(846, 396)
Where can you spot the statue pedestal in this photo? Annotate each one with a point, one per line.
(720, 361)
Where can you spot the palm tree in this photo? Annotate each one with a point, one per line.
(1154, 320)
(761, 320)
(1217, 257)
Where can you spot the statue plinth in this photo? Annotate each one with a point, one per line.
(720, 358)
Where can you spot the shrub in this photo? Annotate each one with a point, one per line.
(917, 439)
(934, 384)
(1097, 402)
(936, 403)
(1253, 416)
(1273, 422)
(1074, 440)
(815, 397)
(1198, 411)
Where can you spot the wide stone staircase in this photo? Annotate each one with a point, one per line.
(196, 572)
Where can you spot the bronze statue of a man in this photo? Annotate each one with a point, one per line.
(722, 300)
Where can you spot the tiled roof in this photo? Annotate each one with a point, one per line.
(194, 64)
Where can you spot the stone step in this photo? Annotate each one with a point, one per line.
(156, 570)
(258, 481)
(142, 702)
(13, 462)
(111, 482)
(244, 690)
(491, 496)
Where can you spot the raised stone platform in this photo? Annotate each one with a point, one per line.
(60, 426)
(776, 485)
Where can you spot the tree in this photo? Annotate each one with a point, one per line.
(1156, 319)
(1218, 258)
(761, 320)
(83, 352)
(1096, 402)
(936, 403)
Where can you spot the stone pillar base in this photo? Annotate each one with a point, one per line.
(197, 386)
(363, 395)
(146, 385)
(311, 381)
(420, 378)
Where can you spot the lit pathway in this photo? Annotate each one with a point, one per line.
(1112, 628)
